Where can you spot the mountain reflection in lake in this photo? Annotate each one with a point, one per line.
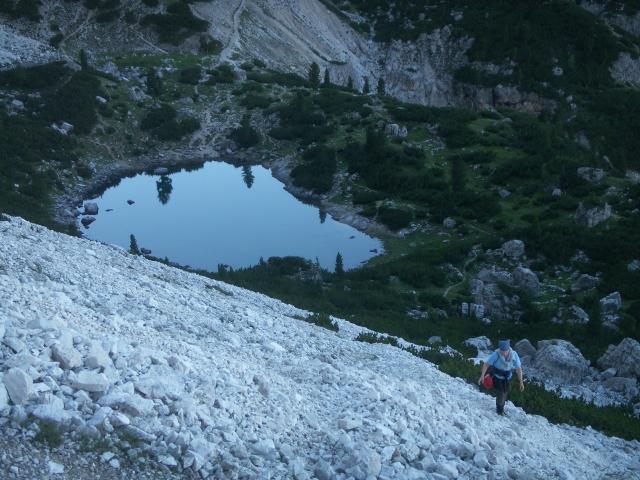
(221, 214)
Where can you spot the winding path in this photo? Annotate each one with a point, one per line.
(235, 35)
(464, 274)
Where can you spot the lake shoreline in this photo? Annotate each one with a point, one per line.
(68, 205)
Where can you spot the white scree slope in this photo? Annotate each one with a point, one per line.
(219, 380)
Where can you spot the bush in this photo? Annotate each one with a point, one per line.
(245, 136)
(190, 75)
(317, 170)
(253, 100)
(177, 24)
(75, 102)
(395, 218)
(222, 74)
(322, 320)
(284, 79)
(36, 77)
(371, 337)
(163, 122)
(107, 16)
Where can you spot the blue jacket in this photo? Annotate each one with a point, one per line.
(496, 360)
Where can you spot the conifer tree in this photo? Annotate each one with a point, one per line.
(154, 83)
(314, 75)
(350, 83)
(133, 246)
(339, 265)
(327, 78)
(458, 179)
(381, 88)
(84, 62)
(366, 88)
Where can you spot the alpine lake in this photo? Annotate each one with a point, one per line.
(221, 214)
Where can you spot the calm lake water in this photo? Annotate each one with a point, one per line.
(221, 214)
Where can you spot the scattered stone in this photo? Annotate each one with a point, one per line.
(584, 282)
(86, 221)
(434, 340)
(101, 100)
(19, 385)
(90, 208)
(611, 303)
(504, 193)
(590, 217)
(578, 315)
(51, 413)
(64, 128)
(592, 175)
(633, 266)
(449, 223)
(67, 356)
(394, 130)
(526, 280)
(55, 468)
(481, 343)
(131, 202)
(624, 357)
(91, 381)
(513, 249)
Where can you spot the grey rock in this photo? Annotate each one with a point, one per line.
(560, 361)
(4, 397)
(625, 357)
(91, 381)
(513, 248)
(578, 315)
(19, 385)
(633, 266)
(622, 385)
(90, 208)
(449, 223)
(14, 344)
(324, 471)
(611, 303)
(434, 340)
(86, 221)
(526, 280)
(584, 282)
(592, 175)
(67, 356)
(395, 131)
(481, 343)
(590, 217)
(97, 357)
(524, 348)
(504, 193)
(52, 414)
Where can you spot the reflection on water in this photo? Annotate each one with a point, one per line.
(221, 214)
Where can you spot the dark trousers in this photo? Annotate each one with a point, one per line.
(502, 390)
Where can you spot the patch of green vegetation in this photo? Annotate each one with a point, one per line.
(221, 74)
(301, 120)
(165, 124)
(49, 433)
(29, 9)
(35, 77)
(176, 25)
(371, 337)
(317, 169)
(322, 320)
(245, 135)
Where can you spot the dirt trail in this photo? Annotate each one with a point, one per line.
(225, 55)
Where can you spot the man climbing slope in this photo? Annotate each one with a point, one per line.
(500, 366)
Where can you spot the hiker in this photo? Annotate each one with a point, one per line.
(500, 365)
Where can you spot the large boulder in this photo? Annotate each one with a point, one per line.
(584, 282)
(513, 248)
(481, 343)
(524, 348)
(394, 130)
(67, 356)
(624, 357)
(526, 280)
(611, 303)
(560, 361)
(19, 385)
(91, 381)
(590, 217)
(90, 208)
(592, 175)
